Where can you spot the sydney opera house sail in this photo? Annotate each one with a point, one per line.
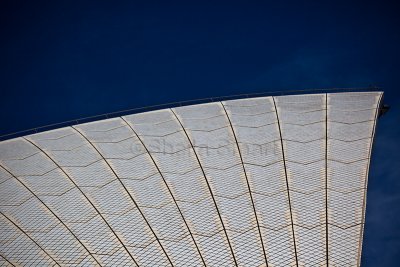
(266, 181)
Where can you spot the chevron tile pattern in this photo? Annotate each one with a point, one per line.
(268, 181)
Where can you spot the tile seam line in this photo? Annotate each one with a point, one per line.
(52, 212)
(169, 189)
(26, 234)
(129, 194)
(378, 104)
(7, 260)
(287, 182)
(208, 185)
(326, 182)
(86, 197)
(247, 182)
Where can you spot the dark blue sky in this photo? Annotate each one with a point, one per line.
(62, 60)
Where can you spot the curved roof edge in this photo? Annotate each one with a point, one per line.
(182, 103)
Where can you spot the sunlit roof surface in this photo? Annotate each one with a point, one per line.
(268, 181)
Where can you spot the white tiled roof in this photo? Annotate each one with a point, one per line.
(268, 181)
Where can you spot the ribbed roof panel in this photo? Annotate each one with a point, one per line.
(268, 181)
